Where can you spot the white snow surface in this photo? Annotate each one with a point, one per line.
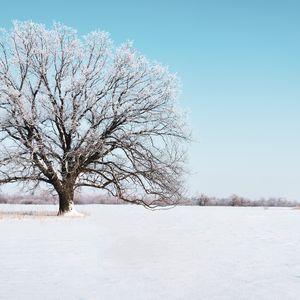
(128, 252)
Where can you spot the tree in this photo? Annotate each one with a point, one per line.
(79, 112)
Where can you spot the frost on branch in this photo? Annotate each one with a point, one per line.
(78, 112)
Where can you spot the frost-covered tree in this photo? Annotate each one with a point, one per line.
(78, 112)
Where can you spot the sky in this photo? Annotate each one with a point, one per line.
(239, 66)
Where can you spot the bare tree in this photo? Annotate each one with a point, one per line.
(80, 112)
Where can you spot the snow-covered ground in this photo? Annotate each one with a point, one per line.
(128, 252)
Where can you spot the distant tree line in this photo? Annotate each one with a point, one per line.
(44, 197)
(235, 200)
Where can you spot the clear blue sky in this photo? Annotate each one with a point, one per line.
(239, 63)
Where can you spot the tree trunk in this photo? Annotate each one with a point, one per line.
(66, 202)
(66, 199)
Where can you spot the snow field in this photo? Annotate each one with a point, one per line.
(128, 252)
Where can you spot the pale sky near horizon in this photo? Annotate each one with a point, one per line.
(239, 64)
